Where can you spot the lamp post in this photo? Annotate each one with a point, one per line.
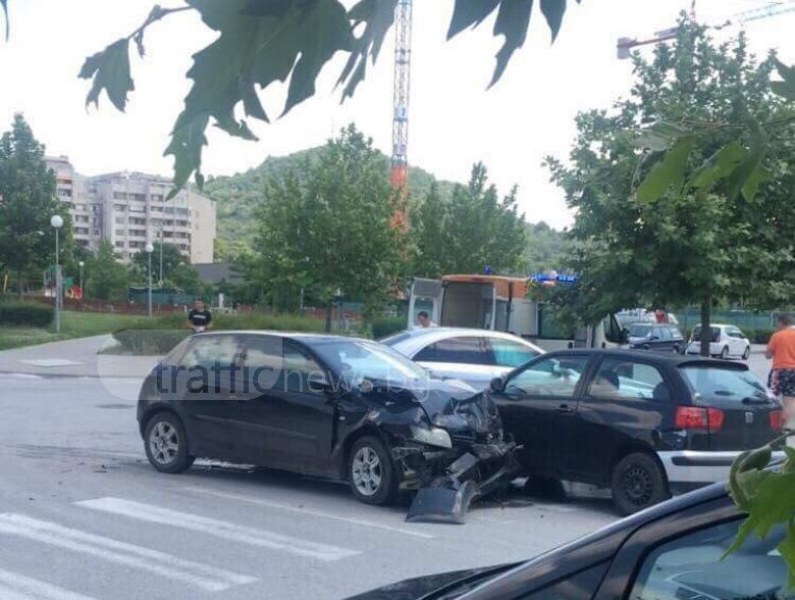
(57, 222)
(81, 264)
(149, 249)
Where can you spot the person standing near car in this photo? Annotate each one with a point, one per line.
(424, 320)
(199, 318)
(781, 348)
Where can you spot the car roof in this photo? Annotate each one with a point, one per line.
(300, 336)
(414, 339)
(676, 360)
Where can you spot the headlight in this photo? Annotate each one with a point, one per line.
(433, 436)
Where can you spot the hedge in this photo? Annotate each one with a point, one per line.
(33, 314)
(385, 326)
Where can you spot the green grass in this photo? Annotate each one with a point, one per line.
(73, 325)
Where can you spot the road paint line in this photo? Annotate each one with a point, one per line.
(309, 512)
(14, 586)
(203, 576)
(215, 527)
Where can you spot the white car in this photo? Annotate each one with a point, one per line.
(727, 341)
(475, 356)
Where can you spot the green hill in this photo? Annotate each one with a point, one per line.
(237, 197)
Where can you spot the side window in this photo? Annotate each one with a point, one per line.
(656, 333)
(691, 566)
(508, 353)
(263, 362)
(665, 334)
(467, 350)
(622, 379)
(210, 350)
(300, 370)
(556, 377)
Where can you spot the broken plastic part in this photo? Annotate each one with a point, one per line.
(442, 504)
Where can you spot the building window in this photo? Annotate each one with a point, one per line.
(120, 220)
(119, 207)
(119, 196)
(139, 197)
(120, 232)
(119, 244)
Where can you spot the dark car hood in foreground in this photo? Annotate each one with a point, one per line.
(420, 587)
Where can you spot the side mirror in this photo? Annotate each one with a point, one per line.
(497, 385)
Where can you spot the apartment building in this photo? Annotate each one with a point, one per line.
(131, 210)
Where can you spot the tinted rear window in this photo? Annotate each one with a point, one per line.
(723, 384)
(714, 330)
(639, 330)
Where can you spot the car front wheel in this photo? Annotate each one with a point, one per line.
(166, 443)
(638, 482)
(371, 472)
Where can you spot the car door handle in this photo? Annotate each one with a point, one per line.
(564, 408)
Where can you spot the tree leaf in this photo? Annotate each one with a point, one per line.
(717, 166)
(553, 11)
(754, 180)
(253, 50)
(787, 550)
(469, 13)
(670, 171)
(747, 172)
(4, 6)
(513, 20)
(785, 88)
(110, 70)
(378, 16)
(660, 136)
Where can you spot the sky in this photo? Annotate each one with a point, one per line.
(454, 120)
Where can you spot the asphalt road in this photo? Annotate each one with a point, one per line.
(84, 516)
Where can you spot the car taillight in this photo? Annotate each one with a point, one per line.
(695, 417)
(776, 420)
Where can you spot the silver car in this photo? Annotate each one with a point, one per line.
(475, 356)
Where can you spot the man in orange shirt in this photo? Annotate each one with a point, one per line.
(781, 349)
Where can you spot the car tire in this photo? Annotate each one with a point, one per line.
(724, 354)
(646, 347)
(166, 444)
(638, 482)
(371, 472)
(747, 353)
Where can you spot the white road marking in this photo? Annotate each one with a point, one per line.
(309, 512)
(14, 586)
(203, 576)
(221, 529)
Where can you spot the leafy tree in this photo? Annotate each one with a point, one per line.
(172, 259)
(27, 203)
(547, 249)
(106, 278)
(331, 229)
(473, 230)
(685, 233)
(263, 41)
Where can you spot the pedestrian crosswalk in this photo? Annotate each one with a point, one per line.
(14, 586)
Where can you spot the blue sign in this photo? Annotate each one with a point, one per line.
(552, 278)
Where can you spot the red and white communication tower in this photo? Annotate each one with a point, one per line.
(400, 105)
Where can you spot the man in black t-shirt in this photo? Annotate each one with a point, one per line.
(199, 319)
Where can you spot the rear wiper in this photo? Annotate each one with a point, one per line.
(756, 400)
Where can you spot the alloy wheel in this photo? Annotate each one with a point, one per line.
(367, 471)
(164, 443)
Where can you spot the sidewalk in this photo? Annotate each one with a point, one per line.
(75, 358)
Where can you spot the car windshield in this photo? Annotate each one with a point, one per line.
(359, 359)
(639, 330)
(723, 384)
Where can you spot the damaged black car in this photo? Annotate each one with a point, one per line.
(326, 406)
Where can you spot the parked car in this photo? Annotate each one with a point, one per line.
(726, 341)
(673, 551)
(652, 336)
(329, 406)
(475, 356)
(641, 424)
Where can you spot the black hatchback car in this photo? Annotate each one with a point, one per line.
(656, 336)
(327, 406)
(640, 424)
(672, 551)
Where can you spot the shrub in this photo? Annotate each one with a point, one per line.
(385, 326)
(26, 313)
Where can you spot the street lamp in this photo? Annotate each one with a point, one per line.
(149, 249)
(81, 264)
(57, 222)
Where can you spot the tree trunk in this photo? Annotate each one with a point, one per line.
(329, 309)
(706, 330)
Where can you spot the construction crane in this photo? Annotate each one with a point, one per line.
(400, 105)
(771, 10)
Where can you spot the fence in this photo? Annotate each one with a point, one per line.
(748, 321)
